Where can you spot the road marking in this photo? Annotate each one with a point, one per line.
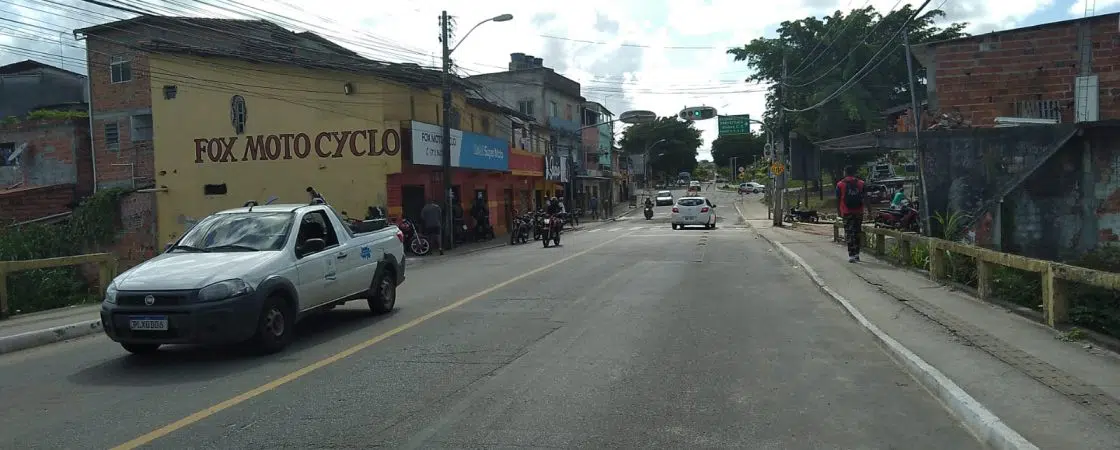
(615, 229)
(635, 228)
(593, 230)
(165, 430)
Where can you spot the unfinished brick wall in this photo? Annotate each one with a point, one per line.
(23, 204)
(57, 152)
(117, 103)
(136, 241)
(985, 76)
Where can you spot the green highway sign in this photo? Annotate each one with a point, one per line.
(736, 124)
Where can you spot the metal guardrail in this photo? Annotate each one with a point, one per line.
(106, 270)
(1056, 276)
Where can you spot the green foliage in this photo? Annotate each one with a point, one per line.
(824, 53)
(1096, 308)
(746, 147)
(45, 114)
(92, 225)
(676, 154)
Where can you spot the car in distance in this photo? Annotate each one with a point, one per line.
(693, 211)
(663, 198)
(751, 187)
(250, 274)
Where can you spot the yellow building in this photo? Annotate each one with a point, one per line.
(206, 117)
(227, 142)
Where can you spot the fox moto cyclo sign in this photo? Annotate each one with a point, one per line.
(271, 147)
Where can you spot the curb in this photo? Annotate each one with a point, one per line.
(31, 339)
(991, 431)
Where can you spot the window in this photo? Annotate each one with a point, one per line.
(552, 111)
(316, 225)
(238, 232)
(120, 69)
(568, 111)
(526, 107)
(112, 137)
(690, 202)
(485, 125)
(6, 150)
(141, 127)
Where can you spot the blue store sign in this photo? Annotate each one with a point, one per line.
(478, 151)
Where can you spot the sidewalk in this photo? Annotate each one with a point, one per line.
(46, 327)
(1054, 393)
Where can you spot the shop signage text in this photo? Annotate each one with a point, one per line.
(271, 147)
(468, 150)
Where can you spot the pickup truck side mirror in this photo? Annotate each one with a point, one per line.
(713, 205)
(313, 245)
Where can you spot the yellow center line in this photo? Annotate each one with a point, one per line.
(241, 398)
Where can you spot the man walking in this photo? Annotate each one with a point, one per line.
(594, 207)
(850, 199)
(432, 220)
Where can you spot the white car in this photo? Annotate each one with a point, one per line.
(664, 198)
(249, 274)
(694, 185)
(751, 187)
(693, 211)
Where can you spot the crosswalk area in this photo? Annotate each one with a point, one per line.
(663, 227)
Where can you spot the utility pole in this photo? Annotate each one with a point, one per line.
(915, 115)
(779, 153)
(448, 222)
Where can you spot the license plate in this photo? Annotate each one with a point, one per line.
(148, 323)
(689, 217)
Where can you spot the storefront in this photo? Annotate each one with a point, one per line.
(480, 166)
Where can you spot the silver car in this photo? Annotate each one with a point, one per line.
(664, 198)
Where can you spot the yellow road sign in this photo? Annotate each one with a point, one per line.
(777, 168)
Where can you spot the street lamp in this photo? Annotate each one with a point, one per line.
(446, 144)
(648, 163)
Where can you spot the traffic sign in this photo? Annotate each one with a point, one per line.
(742, 169)
(777, 168)
(734, 124)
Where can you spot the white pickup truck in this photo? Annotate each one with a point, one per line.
(249, 274)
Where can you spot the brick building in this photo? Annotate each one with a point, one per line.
(1065, 71)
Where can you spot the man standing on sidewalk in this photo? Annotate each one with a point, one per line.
(850, 199)
(431, 218)
(593, 205)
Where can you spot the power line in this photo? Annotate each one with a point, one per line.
(851, 52)
(871, 63)
(847, 21)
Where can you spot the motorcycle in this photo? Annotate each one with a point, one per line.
(649, 212)
(552, 227)
(905, 218)
(802, 215)
(414, 241)
(519, 233)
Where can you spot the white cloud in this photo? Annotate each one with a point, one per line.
(655, 78)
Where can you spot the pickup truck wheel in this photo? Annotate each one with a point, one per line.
(274, 327)
(384, 295)
(141, 349)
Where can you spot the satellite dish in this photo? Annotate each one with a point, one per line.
(12, 158)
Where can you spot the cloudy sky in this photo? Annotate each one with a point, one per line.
(658, 55)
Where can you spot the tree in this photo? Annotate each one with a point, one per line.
(746, 147)
(677, 144)
(824, 54)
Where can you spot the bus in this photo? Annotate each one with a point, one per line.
(683, 178)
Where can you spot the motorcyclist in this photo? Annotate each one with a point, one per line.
(649, 203)
(554, 207)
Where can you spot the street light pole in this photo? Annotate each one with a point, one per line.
(445, 142)
(445, 37)
(649, 164)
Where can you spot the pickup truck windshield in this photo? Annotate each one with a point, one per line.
(238, 232)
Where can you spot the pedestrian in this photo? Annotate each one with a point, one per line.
(431, 216)
(850, 200)
(594, 204)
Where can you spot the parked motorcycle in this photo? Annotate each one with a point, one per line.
(519, 232)
(649, 212)
(414, 241)
(797, 214)
(905, 218)
(552, 227)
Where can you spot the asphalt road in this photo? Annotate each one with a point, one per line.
(629, 335)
